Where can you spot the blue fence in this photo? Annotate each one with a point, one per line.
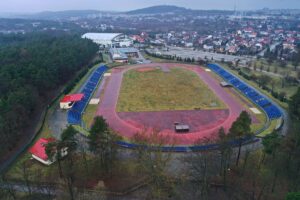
(74, 114)
(264, 103)
(246, 140)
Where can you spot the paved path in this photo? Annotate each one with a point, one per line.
(21, 187)
(101, 86)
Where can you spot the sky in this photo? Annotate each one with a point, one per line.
(7, 6)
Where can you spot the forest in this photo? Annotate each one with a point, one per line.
(33, 67)
(104, 171)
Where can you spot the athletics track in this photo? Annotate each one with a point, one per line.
(203, 123)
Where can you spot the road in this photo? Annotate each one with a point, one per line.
(262, 53)
(190, 53)
(268, 73)
(50, 190)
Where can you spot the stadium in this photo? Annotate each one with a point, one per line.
(108, 40)
(185, 104)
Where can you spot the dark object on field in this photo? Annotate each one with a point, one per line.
(181, 128)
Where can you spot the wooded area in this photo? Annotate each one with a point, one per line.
(32, 67)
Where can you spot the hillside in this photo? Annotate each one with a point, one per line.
(157, 10)
(54, 15)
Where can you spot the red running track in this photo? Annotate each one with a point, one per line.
(203, 123)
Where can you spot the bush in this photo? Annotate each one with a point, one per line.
(246, 76)
(72, 83)
(293, 196)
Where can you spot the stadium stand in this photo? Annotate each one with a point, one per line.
(74, 114)
(265, 104)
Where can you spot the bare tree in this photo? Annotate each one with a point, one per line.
(203, 166)
(225, 151)
(153, 162)
(239, 130)
(26, 177)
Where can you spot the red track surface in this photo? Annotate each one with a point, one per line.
(164, 120)
(145, 69)
(203, 123)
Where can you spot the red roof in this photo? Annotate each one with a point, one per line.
(39, 147)
(72, 98)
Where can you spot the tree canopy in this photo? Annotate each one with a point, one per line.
(240, 129)
(102, 143)
(31, 71)
(294, 104)
(242, 126)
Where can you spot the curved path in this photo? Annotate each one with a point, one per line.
(128, 124)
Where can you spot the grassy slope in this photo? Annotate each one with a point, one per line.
(255, 85)
(270, 129)
(288, 89)
(288, 69)
(89, 115)
(156, 90)
(90, 111)
(242, 99)
(255, 127)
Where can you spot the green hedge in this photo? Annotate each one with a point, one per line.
(293, 196)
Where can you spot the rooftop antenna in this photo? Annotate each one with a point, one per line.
(238, 14)
(235, 7)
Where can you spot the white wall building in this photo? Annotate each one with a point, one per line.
(109, 39)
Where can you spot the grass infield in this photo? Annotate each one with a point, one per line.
(178, 89)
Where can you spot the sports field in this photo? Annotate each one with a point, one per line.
(204, 121)
(162, 90)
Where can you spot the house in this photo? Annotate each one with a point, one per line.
(232, 49)
(189, 44)
(138, 38)
(248, 30)
(208, 47)
(68, 101)
(38, 151)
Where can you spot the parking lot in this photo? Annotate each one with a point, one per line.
(196, 54)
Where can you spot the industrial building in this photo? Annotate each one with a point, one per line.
(108, 40)
(123, 54)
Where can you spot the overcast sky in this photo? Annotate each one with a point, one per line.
(125, 5)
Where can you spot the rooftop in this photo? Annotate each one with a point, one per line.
(72, 98)
(101, 36)
(39, 148)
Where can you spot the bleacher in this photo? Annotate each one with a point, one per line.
(272, 110)
(74, 114)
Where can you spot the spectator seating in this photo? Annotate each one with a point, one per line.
(263, 102)
(74, 114)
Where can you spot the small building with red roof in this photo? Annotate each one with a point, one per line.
(138, 38)
(68, 101)
(38, 151)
